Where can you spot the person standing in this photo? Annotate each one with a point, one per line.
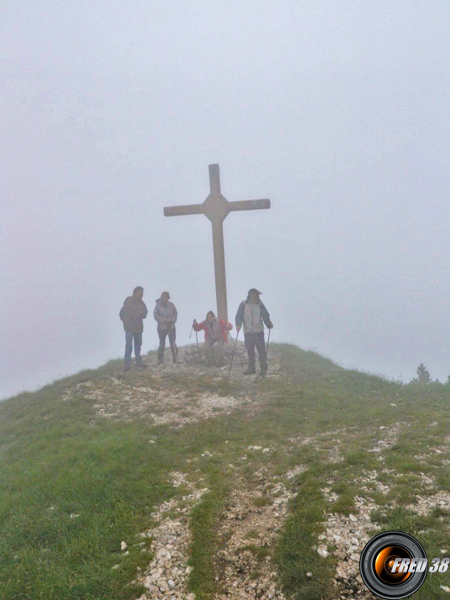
(216, 332)
(166, 315)
(254, 315)
(132, 314)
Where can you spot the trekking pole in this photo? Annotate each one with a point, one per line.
(198, 349)
(232, 356)
(174, 350)
(237, 352)
(192, 329)
(196, 337)
(268, 341)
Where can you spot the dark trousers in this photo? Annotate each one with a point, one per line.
(129, 337)
(252, 340)
(162, 344)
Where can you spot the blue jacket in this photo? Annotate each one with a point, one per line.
(240, 313)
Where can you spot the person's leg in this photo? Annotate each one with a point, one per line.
(128, 349)
(220, 353)
(162, 345)
(207, 348)
(262, 354)
(250, 345)
(173, 346)
(137, 349)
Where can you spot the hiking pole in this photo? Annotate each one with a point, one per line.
(174, 349)
(237, 352)
(232, 356)
(268, 342)
(198, 349)
(196, 337)
(192, 329)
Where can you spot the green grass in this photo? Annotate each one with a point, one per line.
(57, 461)
(294, 554)
(204, 521)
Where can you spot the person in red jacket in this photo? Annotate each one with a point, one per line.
(216, 332)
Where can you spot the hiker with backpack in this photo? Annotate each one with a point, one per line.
(166, 315)
(216, 334)
(254, 315)
(132, 313)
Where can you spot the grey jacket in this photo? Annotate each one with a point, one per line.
(264, 315)
(132, 313)
(162, 312)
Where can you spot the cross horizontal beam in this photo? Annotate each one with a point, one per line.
(198, 209)
(187, 209)
(249, 204)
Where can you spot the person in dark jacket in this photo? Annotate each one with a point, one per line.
(166, 316)
(254, 315)
(132, 313)
(216, 332)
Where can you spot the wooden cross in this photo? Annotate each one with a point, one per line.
(216, 208)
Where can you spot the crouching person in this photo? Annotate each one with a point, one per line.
(166, 315)
(132, 313)
(254, 315)
(216, 334)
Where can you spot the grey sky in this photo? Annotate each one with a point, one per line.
(337, 111)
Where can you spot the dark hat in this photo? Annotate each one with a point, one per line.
(165, 294)
(253, 291)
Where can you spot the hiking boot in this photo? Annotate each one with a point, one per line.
(249, 371)
(141, 366)
(127, 368)
(263, 371)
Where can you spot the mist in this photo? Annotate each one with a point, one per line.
(337, 112)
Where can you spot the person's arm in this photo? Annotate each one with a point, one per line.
(266, 317)
(239, 316)
(157, 316)
(144, 311)
(125, 310)
(175, 315)
(225, 325)
(198, 326)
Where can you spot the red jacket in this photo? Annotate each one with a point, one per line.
(224, 327)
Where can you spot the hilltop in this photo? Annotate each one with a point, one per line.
(178, 483)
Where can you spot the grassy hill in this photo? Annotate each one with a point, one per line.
(166, 483)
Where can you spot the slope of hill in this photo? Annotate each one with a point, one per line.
(177, 483)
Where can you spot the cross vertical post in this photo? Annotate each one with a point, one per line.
(217, 216)
(219, 270)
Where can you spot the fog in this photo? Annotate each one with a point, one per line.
(336, 111)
